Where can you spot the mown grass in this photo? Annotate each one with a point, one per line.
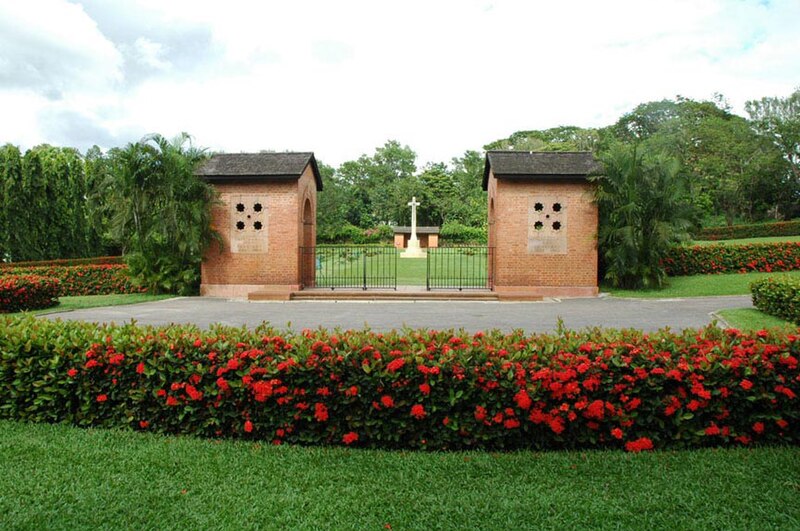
(752, 319)
(743, 241)
(58, 477)
(94, 301)
(700, 286)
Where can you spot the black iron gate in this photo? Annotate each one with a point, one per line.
(349, 267)
(463, 267)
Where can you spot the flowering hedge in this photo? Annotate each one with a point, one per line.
(100, 279)
(97, 260)
(409, 389)
(778, 296)
(758, 230)
(27, 292)
(710, 259)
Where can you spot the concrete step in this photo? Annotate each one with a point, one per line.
(388, 295)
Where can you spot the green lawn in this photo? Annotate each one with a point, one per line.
(769, 239)
(752, 319)
(57, 477)
(94, 301)
(700, 286)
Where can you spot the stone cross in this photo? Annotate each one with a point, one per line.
(413, 204)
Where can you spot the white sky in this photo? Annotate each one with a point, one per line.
(341, 77)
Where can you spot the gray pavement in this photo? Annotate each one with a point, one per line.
(644, 314)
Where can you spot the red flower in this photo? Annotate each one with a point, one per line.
(171, 401)
(712, 430)
(556, 424)
(617, 433)
(102, 398)
(352, 391)
(233, 364)
(222, 383)
(387, 401)
(639, 445)
(140, 368)
(395, 364)
(480, 413)
(746, 384)
(418, 411)
(758, 427)
(511, 424)
(425, 389)
(248, 426)
(350, 438)
(522, 399)
(161, 393)
(262, 390)
(72, 373)
(198, 343)
(320, 412)
(193, 393)
(595, 410)
(782, 424)
(144, 424)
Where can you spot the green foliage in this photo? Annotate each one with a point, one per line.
(351, 234)
(454, 232)
(712, 259)
(754, 230)
(411, 389)
(642, 202)
(160, 212)
(563, 138)
(778, 296)
(27, 292)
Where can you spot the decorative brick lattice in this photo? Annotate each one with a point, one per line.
(547, 225)
(249, 216)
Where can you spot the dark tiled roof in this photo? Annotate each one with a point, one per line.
(238, 167)
(420, 230)
(539, 165)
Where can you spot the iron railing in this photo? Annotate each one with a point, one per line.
(349, 266)
(462, 267)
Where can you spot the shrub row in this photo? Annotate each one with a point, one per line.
(710, 259)
(453, 232)
(82, 280)
(756, 230)
(27, 292)
(97, 260)
(350, 234)
(778, 296)
(409, 389)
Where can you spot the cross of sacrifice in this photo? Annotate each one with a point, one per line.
(413, 204)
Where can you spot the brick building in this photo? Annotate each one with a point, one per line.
(542, 223)
(428, 237)
(266, 214)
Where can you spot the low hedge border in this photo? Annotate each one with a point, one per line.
(100, 279)
(756, 230)
(411, 389)
(778, 296)
(27, 292)
(713, 259)
(97, 260)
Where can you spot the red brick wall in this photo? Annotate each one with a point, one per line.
(567, 270)
(225, 273)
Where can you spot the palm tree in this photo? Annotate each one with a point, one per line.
(644, 209)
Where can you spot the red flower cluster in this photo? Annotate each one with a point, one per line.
(714, 259)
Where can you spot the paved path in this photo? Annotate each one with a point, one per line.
(645, 314)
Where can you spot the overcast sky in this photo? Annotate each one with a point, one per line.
(341, 77)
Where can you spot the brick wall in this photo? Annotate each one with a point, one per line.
(546, 262)
(266, 259)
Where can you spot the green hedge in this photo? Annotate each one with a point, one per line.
(409, 389)
(756, 230)
(82, 280)
(452, 232)
(710, 259)
(778, 296)
(97, 260)
(350, 234)
(27, 292)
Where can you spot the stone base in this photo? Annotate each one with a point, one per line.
(244, 291)
(413, 253)
(525, 293)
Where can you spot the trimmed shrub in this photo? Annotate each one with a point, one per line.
(27, 292)
(97, 260)
(756, 230)
(410, 389)
(778, 296)
(711, 259)
(82, 280)
(350, 234)
(454, 232)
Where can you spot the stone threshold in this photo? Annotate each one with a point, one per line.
(402, 293)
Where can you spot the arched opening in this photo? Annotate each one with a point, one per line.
(307, 252)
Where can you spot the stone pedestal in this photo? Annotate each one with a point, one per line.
(413, 250)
